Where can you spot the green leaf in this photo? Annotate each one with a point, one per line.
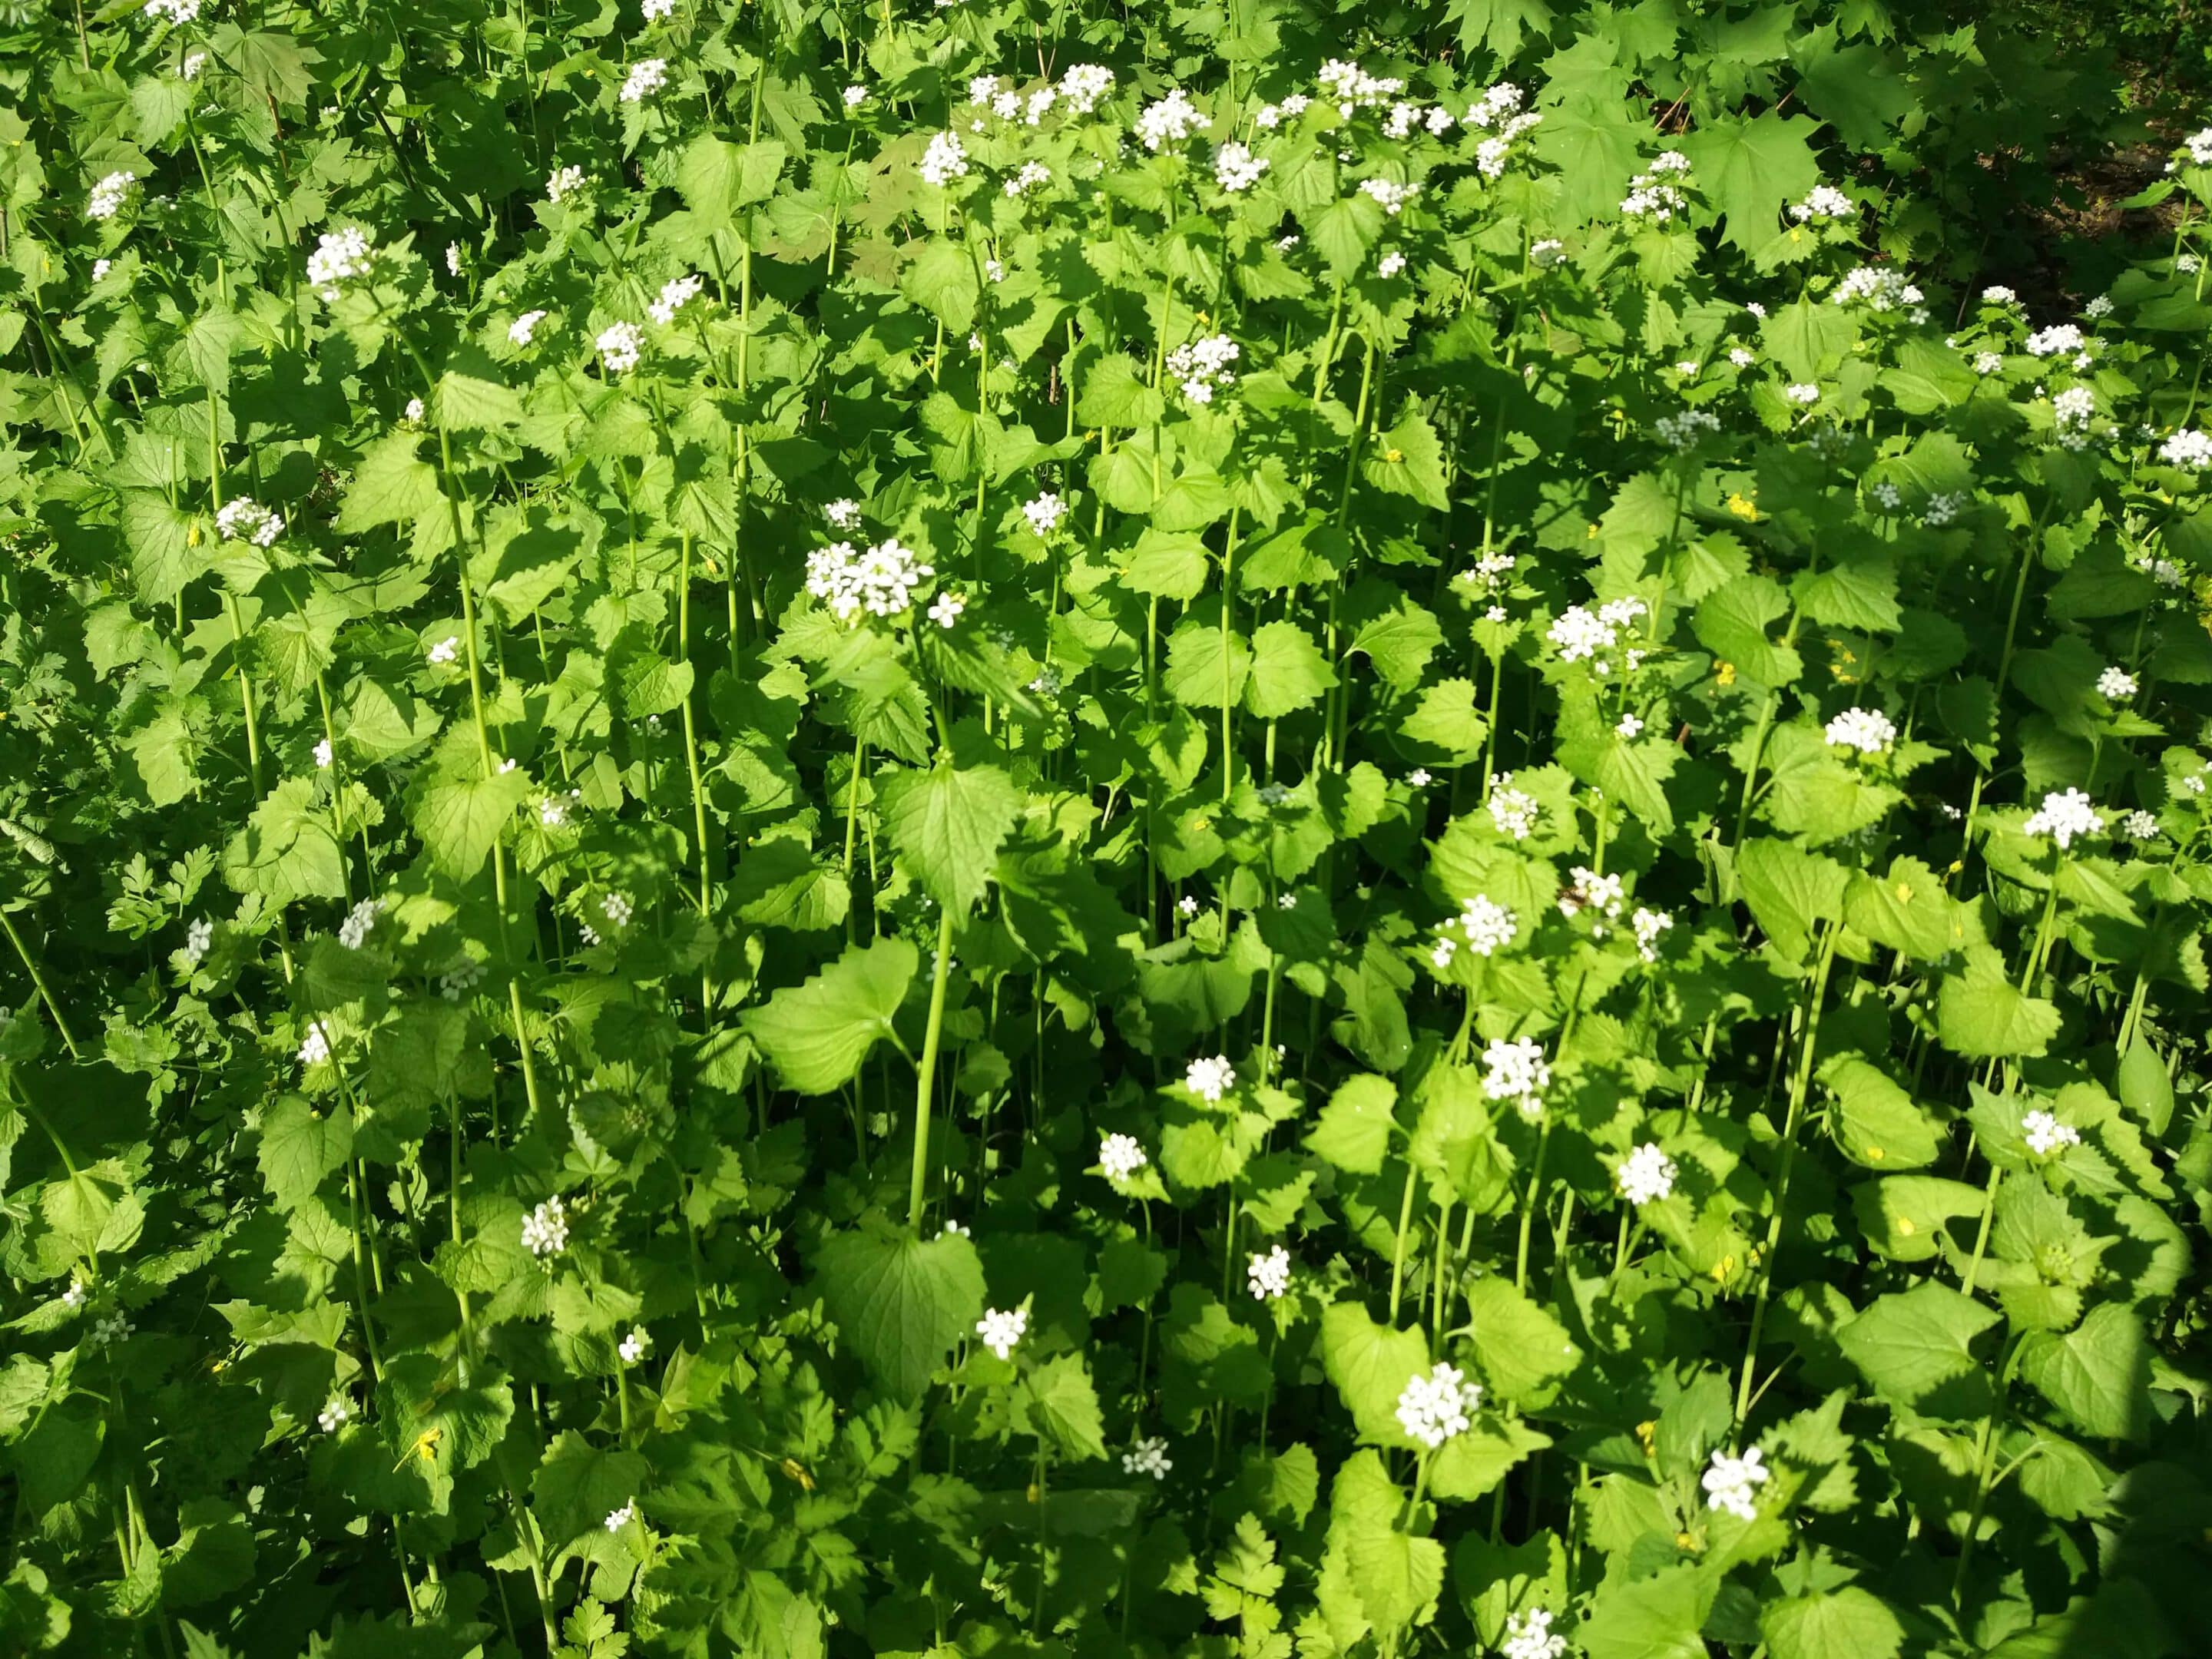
(301, 1148)
(901, 1302)
(2097, 1375)
(816, 1035)
(1907, 910)
(1748, 168)
(1059, 1405)
(1354, 1130)
(1789, 891)
(1731, 622)
(1981, 1013)
(2145, 1089)
(1876, 1122)
(461, 820)
(391, 485)
(1371, 1366)
(1288, 670)
(577, 1485)
(1849, 1623)
(940, 278)
(1654, 1617)
(1445, 721)
(1521, 1348)
(1910, 1343)
(948, 823)
(1409, 460)
(715, 178)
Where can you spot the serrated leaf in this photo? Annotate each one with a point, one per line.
(816, 1035)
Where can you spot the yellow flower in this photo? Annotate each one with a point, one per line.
(1742, 508)
(1724, 672)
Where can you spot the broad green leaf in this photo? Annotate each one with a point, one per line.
(1654, 1617)
(461, 820)
(1910, 1343)
(1288, 671)
(948, 822)
(301, 1147)
(1408, 460)
(1061, 1405)
(1371, 1366)
(1521, 1349)
(1849, 1623)
(816, 1035)
(1732, 622)
(901, 1302)
(1980, 1013)
(1354, 1130)
(2097, 1375)
(1750, 169)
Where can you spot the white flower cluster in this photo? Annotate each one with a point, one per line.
(1513, 810)
(193, 63)
(646, 77)
(1877, 288)
(1390, 196)
(360, 922)
(1084, 85)
(1499, 114)
(2117, 685)
(1236, 168)
(1203, 364)
(109, 195)
(1120, 1156)
(1998, 294)
(620, 345)
(1730, 1483)
(879, 582)
(1582, 634)
(1589, 890)
(1989, 362)
(2139, 826)
(2197, 146)
(843, 514)
(1650, 926)
(1822, 202)
(2063, 816)
(2046, 1134)
(2071, 413)
(1488, 926)
(315, 1047)
(1804, 393)
(199, 939)
(1679, 431)
(634, 1347)
(336, 1413)
(1209, 1079)
(1267, 1275)
(1170, 121)
(1942, 508)
(2059, 341)
(2188, 448)
(339, 257)
(1002, 1329)
(1517, 1072)
(1654, 195)
(675, 294)
(564, 181)
(1032, 174)
(1529, 1636)
(520, 330)
(173, 11)
(617, 1519)
(545, 1228)
(1353, 87)
(1148, 1457)
(1271, 116)
(1868, 731)
(1044, 513)
(1645, 1173)
(1439, 1404)
(466, 975)
(242, 518)
(946, 160)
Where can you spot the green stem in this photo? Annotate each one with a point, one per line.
(38, 980)
(925, 1072)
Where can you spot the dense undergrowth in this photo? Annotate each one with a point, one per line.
(1044, 829)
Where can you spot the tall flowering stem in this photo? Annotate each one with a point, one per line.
(925, 1078)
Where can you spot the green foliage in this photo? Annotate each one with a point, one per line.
(814, 845)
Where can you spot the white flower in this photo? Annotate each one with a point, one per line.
(617, 1519)
(110, 1328)
(2099, 308)
(445, 650)
(1202, 364)
(2117, 685)
(1644, 1175)
(73, 1298)
(1547, 253)
(1730, 1482)
(360, 922)
(1187, 905)
(1680, 431)
(1997, 294)
(520, 330)
(173, 11)
(199, 939)
(1649, 926)
(322, 753)
(315, 1047)
(1589, 890)
(1942, 508)
(2188, 448)
(1629, 725)
(109, 195)
(1489, 926)
(1120, 1156)
(1236, 168)
(1032, 174)
(880, 582)
(2063, 816)
(545, 1228)
(1044, 513)
(1529, 1636)
(1877, 288)
(675, 294)
(944, 609)
(339, 257)
(243, 516)
(1756, 309)
(1517, 1072)
(2139, 826)
(1513, 810)
(1353, 88)
(1823, 202)
(1391, 196)
(634, 1347)
(645, 78)
(1419, 778)
(617, 908)
(1869, 731)
(1209, 1079)
(982, 88)
(843, 514)
(1084, 84)
(2046, 1134)
(855, 96)
(953, 1230)
(1390, 266)
(1802, 392)
(656, 9)
(193, 63)
(1439, 1404)
(1148, 1456)
(1170, 121)
(1038, 105)
(100, 268)
(1269, 1275)
(2063, 340)
(2071, 412)
(620, 345)
(2187, 264)
(2194, 783)
(1652, 196)
(336, 1413)
(946, 160)
(413, 413)
(452, 259)
(1001, 1330)
(1047, 683)
(562, 181)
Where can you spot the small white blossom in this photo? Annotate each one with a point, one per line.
(675, 294)
(944, 609)
(1120, 1156)
(2139, 826)
(1649, 926)
(193, 63)
(1148, 1456)
(1269, 1276)
(322, 753)
(1002, 1329)
(1997, 294)
(855, 96)
(1390, 266)
(634, 1347)
(2117, 685)
(1389, 195)
(2046, 1134)
(645, 78)
(336, 1413)
(1210, 1079)
(520, 330)
(1547, 252)
(1170, 121)
(1877, 288)
(173, 11)
(1084, 84)
(447, 650)
(2099, 308)
(1644, 1175)
(1439, 1404)
(2188, 448)
(880, 582)
(562, 181)
(315, 1047)
(1629, 725)
(1032, 174)
(1489, 926)
(2063, 816)
(656, 9)
(452, 259)
(360, 922)
(244, 517)
(339, 257)
(1202, 364)
(109, 195)
(100, 268)
(2064, 340)
(1731, 1483)
(1517, 1072)
(1044, 513)
(946, 160)
(620, 345)
(111, 1328)
(1942, 508)
(843, 514)
(1529, 1636)
(73, 1298)
(545, 1228)
(1802, 392)
(617, 1519)
(199, 939)
(1513, 810)
(1823, 202)
(617, 908)
(1680, 431)
(462, 977)
(1869, 731)
(1236, 168)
